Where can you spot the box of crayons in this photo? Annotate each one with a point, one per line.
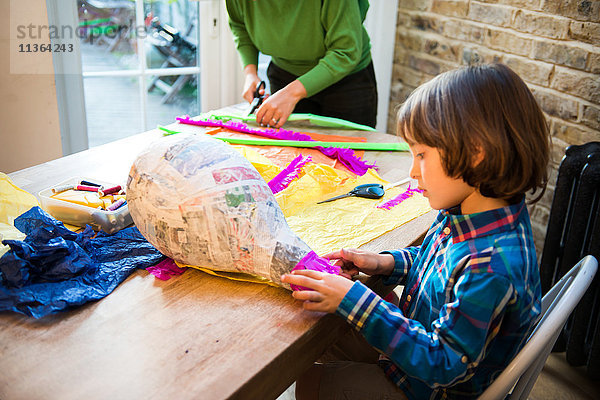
(80, 202)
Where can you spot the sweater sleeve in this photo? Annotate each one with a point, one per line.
(244, 45)
(449, 349)
(342, 22)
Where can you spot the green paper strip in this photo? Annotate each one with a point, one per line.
(330, 122)
(314, 119)
(300, 143)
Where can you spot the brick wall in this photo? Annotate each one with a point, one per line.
(553, 45)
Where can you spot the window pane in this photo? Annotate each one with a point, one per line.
(263, 64)
(172, 41)
(172, 37)
(112, 107)
(170, 97)
(111, 42)
(108, 35)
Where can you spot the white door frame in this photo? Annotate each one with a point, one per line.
(381, 26)
(69, 82)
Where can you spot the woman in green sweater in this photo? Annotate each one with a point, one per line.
(320, 57)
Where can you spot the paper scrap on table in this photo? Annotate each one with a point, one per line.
(165, 269)
(14, 201)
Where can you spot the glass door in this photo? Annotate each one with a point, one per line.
(139, 63)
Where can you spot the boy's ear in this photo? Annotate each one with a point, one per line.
(478, 156)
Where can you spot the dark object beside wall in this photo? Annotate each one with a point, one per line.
(573, 232)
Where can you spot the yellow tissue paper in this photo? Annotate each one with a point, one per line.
(88, 199)
(234, 276)
(9, 232)
(14, 201)
(353, 221)
(320, 182)
(265, 167)
(348, 222)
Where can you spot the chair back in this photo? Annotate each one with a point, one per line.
(557, 305)
(573, 232)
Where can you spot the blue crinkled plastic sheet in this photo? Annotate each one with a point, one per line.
(54, 269)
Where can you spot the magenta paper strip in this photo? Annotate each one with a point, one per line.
(346, 156)
(400, 198)
(288, 174)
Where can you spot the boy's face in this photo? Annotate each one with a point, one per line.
(441, 190)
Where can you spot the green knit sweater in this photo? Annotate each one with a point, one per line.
(321, 41)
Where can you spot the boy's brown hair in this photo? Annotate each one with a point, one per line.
(485, 108)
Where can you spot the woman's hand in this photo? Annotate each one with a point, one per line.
(353, 261)
(327, 290)
(276, 109)
(250, 83)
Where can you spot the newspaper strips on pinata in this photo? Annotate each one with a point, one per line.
(198, 201)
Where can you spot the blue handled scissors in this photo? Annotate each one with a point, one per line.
(258, 98)
(367, 190)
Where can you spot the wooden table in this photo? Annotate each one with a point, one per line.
(194, 336)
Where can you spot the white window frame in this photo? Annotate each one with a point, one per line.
(217, 58)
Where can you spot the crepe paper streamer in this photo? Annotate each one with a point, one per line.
(165, 269)
(330, 122)
(400, 198)
(288, 174)
(305, 143)
(319, 120)
(343, 145)
(313, 262)
(243, 128)
(345, 156)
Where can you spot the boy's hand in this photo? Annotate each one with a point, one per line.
(328, 290)
(353, 261)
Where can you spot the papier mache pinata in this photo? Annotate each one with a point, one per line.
(198, 201)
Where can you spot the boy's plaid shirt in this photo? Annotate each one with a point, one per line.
(471, 296)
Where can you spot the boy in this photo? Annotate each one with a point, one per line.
(471, 291)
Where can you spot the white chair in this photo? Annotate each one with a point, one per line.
(557, 305)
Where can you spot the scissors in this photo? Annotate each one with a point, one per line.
(367, 190)
(258, 98)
